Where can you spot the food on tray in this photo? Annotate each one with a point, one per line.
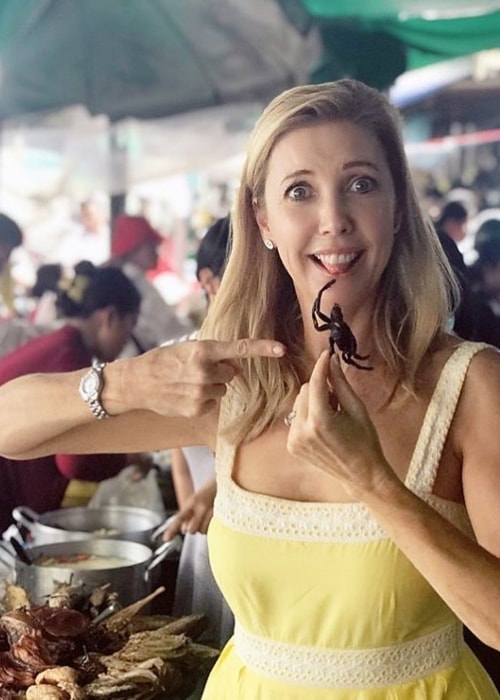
(58, 652)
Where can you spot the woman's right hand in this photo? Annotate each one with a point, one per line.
(177, 382)
(185, 379)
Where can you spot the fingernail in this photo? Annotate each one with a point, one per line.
(278, 350)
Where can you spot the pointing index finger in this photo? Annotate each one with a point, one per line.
(248, 347)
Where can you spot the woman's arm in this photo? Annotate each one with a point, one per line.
(465, 573)
(164, 398)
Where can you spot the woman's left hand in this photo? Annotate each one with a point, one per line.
(333, 431)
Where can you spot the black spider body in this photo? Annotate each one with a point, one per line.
(340, 333)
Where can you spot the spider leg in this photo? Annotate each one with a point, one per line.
(352, 362)
(360, 357)
(324, 288)
(317, 302)
(322, 317)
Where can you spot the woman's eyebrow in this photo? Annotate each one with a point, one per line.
(359, 163)
(295, 174)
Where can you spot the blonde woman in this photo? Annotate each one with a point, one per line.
(354, 539)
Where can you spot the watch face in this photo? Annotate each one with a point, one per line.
(90, 383)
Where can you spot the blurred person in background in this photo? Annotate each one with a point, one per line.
(485, 271)
(11, 237)
(88, 240)
(193, 475)
(40, 308)
(473, 318)
(44, 294)
(14, 331)
(134, 249)
(100, 307)
(451, 223)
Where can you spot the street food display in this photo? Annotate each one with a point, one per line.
(82, 646)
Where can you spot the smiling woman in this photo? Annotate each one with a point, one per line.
(353, 542)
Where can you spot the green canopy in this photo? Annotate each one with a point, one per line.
(377, 40)
(146, 58)
(152, 58)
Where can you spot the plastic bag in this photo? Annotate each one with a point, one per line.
(125, 490)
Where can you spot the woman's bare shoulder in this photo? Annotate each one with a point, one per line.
(485, 366)
(479, 403)
(483, 372)
(486, 358)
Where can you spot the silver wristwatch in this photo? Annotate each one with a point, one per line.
(90, 389)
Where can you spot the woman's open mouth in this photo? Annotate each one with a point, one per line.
(336, 263)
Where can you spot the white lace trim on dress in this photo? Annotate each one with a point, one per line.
(266, 516)
(350, 668)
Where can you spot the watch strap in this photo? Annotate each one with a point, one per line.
(97, 409)
(94, 402)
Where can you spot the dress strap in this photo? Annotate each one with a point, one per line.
(440, 411)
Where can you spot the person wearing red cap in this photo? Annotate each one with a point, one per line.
(134, 248)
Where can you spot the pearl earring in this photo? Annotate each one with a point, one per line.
(268, 243)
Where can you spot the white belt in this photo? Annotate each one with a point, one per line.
(350, 668)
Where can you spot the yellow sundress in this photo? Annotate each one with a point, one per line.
(326, 605)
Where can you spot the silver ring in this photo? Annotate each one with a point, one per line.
(289, 418)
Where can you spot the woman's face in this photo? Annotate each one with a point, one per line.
(329, 208)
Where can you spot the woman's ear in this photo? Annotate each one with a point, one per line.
(261, 219)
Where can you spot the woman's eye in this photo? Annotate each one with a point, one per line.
(297, 192)
(363, 185)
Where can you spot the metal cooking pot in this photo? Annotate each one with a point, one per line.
(133, 580)
(70, 524)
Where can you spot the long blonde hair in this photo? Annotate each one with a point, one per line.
(257, 299)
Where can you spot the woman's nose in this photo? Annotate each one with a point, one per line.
(334, 217)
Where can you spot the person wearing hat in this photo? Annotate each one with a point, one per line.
(134, 249)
